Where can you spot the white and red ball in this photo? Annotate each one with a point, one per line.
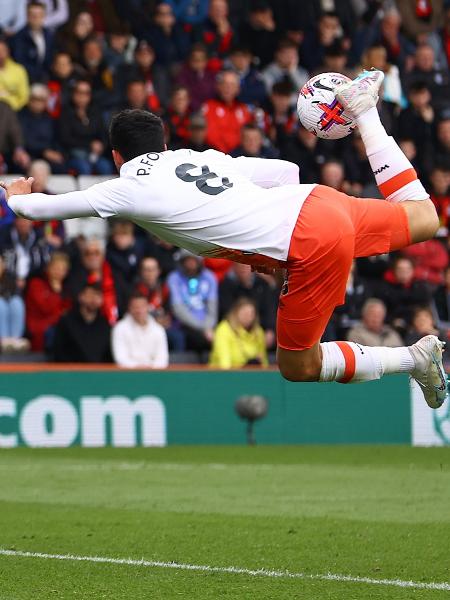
(319, 110)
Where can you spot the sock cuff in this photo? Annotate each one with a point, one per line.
(350, 361)
(389, 162)
(395, 176)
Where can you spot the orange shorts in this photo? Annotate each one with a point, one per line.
(332, 229)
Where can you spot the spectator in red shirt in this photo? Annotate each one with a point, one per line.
(430, 259)
(95, 270)
(46, 301)
(225, 115)
(440, 194)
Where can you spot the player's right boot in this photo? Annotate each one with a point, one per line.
(429, 371)
(359, 95)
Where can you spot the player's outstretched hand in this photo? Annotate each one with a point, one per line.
(17, 186)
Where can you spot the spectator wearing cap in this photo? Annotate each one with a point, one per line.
(193, 300)
(82, 133)
(260, 31)
(225, 115)
(285, 67)
(167, 37)
(216, 33)
(157, 81)
(32, 46)
(137, 340)
(196, 138)
(39, 129)
(252, 86)
(197, 77)
(14, 88)
(82, 335)
(253, 144)
(177, 116)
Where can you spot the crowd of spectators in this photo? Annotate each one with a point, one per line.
(222, 74)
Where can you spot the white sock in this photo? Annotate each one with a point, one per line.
(395, 176)
(349, 362)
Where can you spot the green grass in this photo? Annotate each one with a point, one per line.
(378, 512)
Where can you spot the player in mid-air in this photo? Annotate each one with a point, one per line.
(255, 211)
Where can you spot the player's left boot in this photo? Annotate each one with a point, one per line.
(359, 95)
(429, 372)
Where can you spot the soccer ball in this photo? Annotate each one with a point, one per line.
(318, 109)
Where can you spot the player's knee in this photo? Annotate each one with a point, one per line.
(423, 220)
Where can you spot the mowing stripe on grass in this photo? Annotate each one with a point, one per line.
(418, 585)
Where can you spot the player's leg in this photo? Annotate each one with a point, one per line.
(320, 258)
(394, 174)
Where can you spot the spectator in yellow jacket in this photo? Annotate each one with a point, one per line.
(239, 339)
(14, 86)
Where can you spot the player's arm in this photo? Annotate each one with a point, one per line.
(268, 172)
(105, 199)
(41, 207)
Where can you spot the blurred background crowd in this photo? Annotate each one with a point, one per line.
(222, 74)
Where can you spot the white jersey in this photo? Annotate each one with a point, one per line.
(213, 205)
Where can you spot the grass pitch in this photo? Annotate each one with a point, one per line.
(376, 512)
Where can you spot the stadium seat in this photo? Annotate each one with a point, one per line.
(60, 184)
(85, 181)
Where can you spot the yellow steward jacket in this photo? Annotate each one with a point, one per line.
(233, 349)
(14, 87)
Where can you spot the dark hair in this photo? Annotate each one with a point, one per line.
(136, 295)
(96, 287)
(136, 132)
(282, 88)
(36, 3)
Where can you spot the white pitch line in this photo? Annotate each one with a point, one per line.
(418, 585)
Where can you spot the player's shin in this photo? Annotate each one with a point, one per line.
(395, 176)
(347, 362)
